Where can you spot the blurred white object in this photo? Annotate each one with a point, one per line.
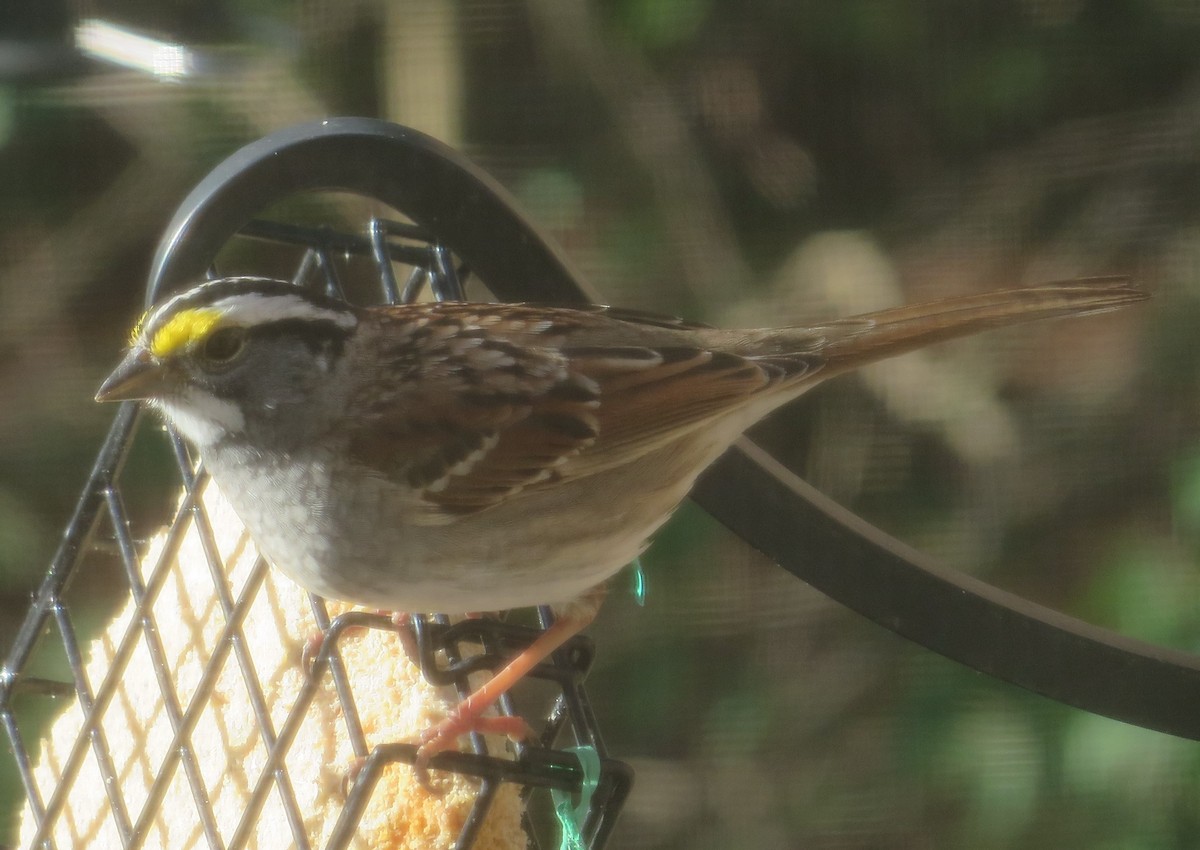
(111, 43)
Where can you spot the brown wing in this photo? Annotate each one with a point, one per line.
(536, 396)
(479, 419)
(657, 396)
(489, 400)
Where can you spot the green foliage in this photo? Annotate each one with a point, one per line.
(654, 25)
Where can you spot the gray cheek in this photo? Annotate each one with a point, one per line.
(283, 393)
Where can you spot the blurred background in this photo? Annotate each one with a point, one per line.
(749, 162)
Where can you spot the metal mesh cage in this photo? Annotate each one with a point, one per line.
(400, 262)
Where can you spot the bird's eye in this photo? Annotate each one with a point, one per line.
(224, 345)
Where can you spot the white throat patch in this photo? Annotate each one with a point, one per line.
(202, 418)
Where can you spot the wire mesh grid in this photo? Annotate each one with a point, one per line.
(449, 652)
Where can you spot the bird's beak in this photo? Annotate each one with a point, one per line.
(139, 375)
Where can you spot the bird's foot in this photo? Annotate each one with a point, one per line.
(444, 736)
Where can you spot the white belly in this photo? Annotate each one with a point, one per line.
(542, 547)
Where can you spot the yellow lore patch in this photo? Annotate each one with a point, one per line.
(183, 329)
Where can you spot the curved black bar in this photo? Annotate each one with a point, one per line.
(854, 563)
(955, 615)
(439, 188)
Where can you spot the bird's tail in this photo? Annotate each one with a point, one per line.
(856, 341)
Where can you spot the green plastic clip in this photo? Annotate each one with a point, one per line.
(639, 582)
(572, 817)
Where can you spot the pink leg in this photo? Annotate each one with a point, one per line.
(468, 715)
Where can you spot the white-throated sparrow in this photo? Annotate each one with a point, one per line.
(456, 457)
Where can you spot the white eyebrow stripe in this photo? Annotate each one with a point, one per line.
(252, 308)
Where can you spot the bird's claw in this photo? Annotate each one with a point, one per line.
(444, 736)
